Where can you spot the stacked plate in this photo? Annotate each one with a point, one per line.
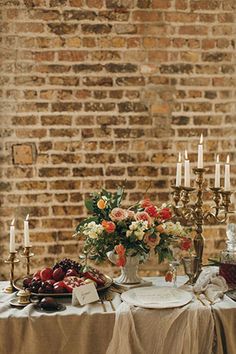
(157, 297)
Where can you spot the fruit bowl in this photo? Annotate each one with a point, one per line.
(18, 285)
(62, 278)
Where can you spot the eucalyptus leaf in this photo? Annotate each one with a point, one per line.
(89, 204)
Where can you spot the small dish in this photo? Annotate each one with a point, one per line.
(15, 303)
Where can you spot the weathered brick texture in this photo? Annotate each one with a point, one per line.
(96, 92)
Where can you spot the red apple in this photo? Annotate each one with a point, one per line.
(58, 274)
(46, 274)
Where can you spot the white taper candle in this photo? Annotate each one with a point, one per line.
(186, 170)
(179, 172)
(26, 231)
(227, 175)
(217, 172)
(12, 247)
(200, 153)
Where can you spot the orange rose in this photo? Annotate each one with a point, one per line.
(121, 261)
(120, 250)
(109, 226)
(101, 204)
(160, 228)
(145, 203)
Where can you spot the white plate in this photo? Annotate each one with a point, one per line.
(157, 297)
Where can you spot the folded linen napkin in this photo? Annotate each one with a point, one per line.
(211, 284)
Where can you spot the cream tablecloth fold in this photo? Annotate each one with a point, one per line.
(77, 330)
(185, 330)
(224, 313)
(88, 330)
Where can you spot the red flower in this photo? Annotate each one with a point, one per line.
(121, 261)
(185, 244)
(145, 203)
(109, 226)
(169, 276)
(152, 211)
(165, 213)
(120, 250)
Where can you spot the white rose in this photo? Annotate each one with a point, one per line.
(139, 234)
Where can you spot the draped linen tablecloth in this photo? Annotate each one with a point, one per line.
(89, 330)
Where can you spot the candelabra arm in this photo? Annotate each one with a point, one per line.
(186, 210)
(226, 200)
(176, 197)
(221, 206)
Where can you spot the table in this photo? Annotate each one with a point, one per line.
(89, 330)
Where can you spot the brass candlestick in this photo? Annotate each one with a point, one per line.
(193, 213)
(11, 260)
(27, 254)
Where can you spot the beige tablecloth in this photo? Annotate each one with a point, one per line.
(89, 330)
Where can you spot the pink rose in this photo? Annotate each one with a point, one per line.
(131, 214)
(152, 240)
(143, 216)
(118, 214)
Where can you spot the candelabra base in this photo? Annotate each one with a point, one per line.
(9, 289)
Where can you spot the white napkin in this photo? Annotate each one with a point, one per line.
(211, 284)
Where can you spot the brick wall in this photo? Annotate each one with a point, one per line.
(94, 92)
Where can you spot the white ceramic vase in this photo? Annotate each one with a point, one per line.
(129, 273)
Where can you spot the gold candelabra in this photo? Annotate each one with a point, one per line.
(194, 213)
(27, 254)
(11, 260)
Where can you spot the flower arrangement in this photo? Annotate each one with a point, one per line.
(136, 230)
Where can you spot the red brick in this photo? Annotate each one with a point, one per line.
(103, 91)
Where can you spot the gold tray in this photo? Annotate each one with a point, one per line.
(18, 285)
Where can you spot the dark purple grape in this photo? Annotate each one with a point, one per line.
(27, 282)
(67, 264)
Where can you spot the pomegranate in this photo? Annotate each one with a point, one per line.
(58, 274)
(46, 274)
(71, 272)
(59, 287)
(72, 282)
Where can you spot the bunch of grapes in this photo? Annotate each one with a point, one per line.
(37, 286)
(67, 264)
(34, 285)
